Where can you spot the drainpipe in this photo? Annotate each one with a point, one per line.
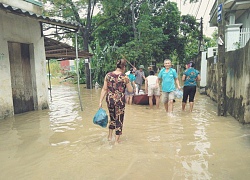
(77, 71)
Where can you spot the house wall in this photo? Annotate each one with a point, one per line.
(237, 83)
(244, 19)
(14, 28)
(65, 66)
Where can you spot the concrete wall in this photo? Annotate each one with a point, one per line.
(15, 28)
(211, 88)
(237, 83)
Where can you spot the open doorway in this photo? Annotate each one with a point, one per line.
(21, 80)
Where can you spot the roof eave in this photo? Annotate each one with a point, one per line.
(44, 19)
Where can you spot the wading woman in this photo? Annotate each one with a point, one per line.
(190, 78)
(114, 86)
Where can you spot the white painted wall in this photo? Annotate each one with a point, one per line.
(23, 30)
(212, 51)
(6, 103)
(23, 5)
(232, 36)
(72, 65)
(203, 72)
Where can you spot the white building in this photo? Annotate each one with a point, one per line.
(237, 16)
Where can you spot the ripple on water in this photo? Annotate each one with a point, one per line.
(65, 112)
(154, 138)
(63, 143)
(60, 143)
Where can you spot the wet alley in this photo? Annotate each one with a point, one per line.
(63, 143)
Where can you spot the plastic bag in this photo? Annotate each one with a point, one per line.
(178, 94)
(101, 118)
(127, 73)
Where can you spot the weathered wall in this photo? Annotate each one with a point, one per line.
(237, 85)
(15, 28)
(211, 88)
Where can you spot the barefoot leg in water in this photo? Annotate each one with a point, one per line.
(110, 134)
(117, 139)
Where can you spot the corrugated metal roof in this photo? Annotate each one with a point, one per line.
(40, 18)
(53, 48)
(62, 51)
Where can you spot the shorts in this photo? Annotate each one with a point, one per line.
(167, 96)
(153, 91)
(128, 93)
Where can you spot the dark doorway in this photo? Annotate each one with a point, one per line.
(21, 81)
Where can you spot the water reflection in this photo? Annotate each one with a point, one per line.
(63, 142)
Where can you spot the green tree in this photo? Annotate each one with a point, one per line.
(189, 36)
(141, 35)
(70, 10)
(139, 30)
(54, 67)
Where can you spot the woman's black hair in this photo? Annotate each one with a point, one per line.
(191, 64)
(121, 63)
(151, 72)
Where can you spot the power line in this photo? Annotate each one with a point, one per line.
(190, 7)
(193, 8)
(198, 9)
(206, 8)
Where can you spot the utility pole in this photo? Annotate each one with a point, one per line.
(201, 34)
(221, 66)
(198, 58)
(133, 20)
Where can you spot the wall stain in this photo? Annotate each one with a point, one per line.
(237, 67)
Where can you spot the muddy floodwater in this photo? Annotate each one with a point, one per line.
(63, 143)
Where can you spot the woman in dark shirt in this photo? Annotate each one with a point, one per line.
(114, 86)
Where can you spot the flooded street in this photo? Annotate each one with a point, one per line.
(63, 143)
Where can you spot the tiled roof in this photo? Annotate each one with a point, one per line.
(40, 18)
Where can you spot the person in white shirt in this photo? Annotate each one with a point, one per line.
(152, 88)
